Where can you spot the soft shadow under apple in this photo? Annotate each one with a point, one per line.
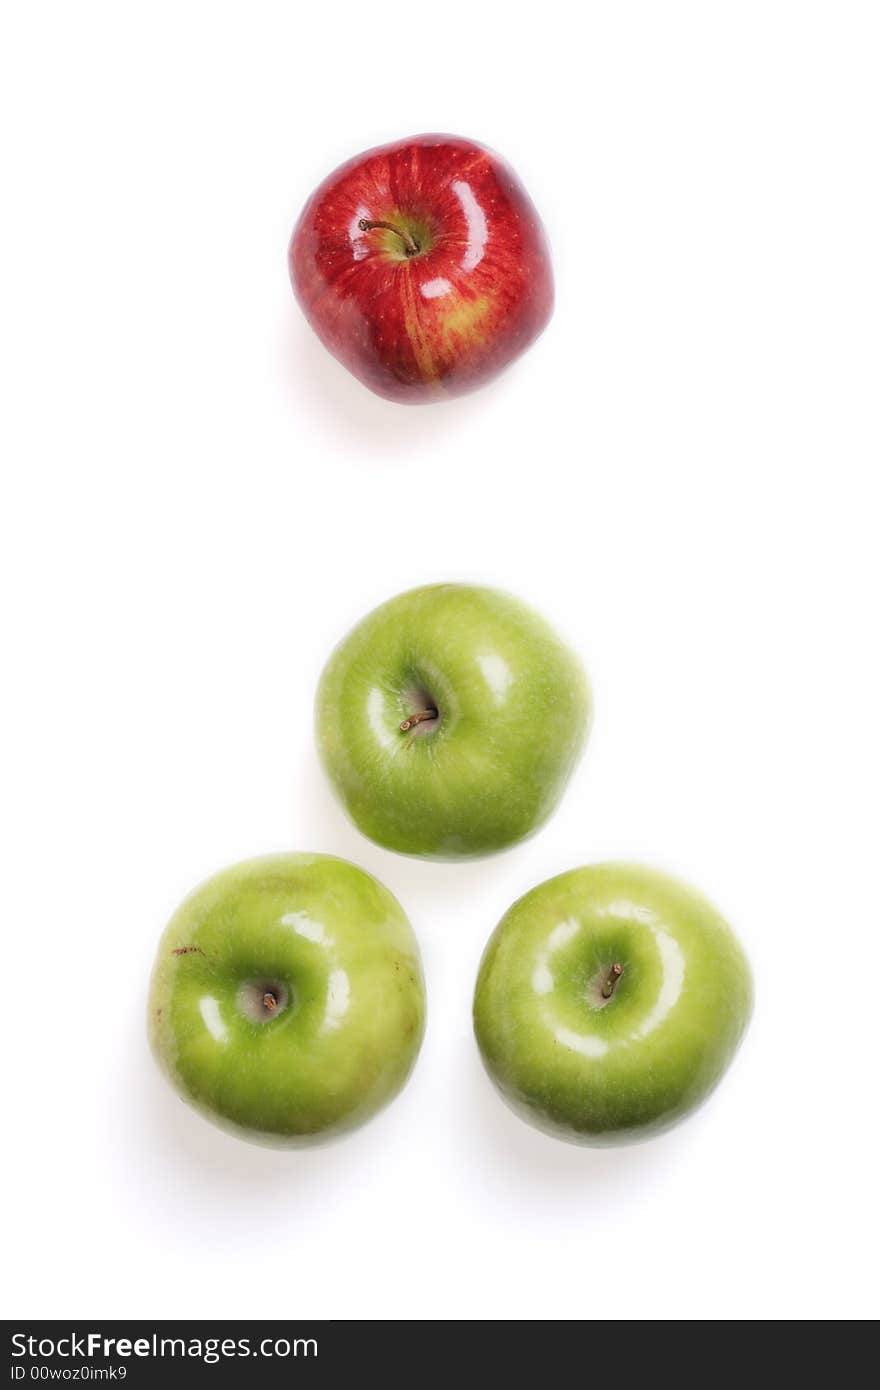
(530, 1161)
(358, 419)
(187, 1161)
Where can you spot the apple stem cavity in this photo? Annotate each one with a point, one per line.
(613, 977)
(421, 716)
(260, 1000)
(410, 245)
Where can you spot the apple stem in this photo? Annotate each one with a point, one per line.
(614, 975)
(420, 716)
(410, 245)
(270, 1002)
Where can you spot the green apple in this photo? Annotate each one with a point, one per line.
(609, 1003)
(287, 1002)
(449, 721)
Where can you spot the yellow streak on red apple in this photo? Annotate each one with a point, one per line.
(413, 324)
(460, 319)
(464, 319)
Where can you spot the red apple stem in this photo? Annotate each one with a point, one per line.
(614, 975)
(410, 245)
(420, 716)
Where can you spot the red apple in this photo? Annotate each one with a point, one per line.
(423, 267)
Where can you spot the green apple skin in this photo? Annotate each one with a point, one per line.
(342, 962)
(512, 715)
(596, 1070)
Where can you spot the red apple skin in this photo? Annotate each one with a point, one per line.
(423, 325)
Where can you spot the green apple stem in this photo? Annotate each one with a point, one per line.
(420, 717)
(410, 245)
(270, 1001)
(610, 984)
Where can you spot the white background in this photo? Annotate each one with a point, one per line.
(198, 502)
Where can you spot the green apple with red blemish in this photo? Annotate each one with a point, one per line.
(287, 1002)
(609, 1003)
(450, 720)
